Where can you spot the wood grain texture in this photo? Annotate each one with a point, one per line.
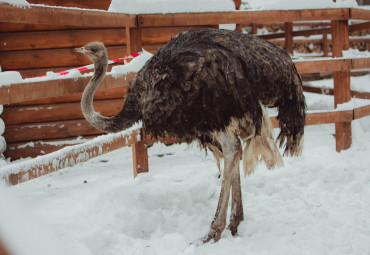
(61, 16)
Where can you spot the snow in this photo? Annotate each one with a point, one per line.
(14, 77)
(359, 83)
(80, 149)
(298, 4)
(18, 3)
(10, 77)
(315, 204)
(173, 6)
(134, 66)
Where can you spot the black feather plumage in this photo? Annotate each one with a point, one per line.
(202, 78)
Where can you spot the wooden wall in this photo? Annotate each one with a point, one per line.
(36, 127)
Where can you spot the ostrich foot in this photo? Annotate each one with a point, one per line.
(233, 226)
(214, 235)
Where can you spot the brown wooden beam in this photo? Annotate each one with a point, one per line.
(62, 16)
(16, 60)
(134, 40)
(342, 91)
(242, 17)
(359, 14)
(56, 161)
(85, 4)
(44, 89)
(140, 158)
(361, 112)
(288, 29)
(56, 112)
(49, 130)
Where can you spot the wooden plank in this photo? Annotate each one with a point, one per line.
(134, 40)
(103, 94)
(62, 16)
(242, 17)
(15, 60)
(86, 4)
(316, 31)
(77, 37)
(360, 26)
(37, 90)
(323, 65)
(140, 158)
(19, 27)
(288, 29)
(68, 157)
(56, 112)
(60, 39)
(329, 117)
(49, 130)
(361, 112)
(360, 63)
(325, 44)
(34, 149)
(342, 90)
(360, 14)
(326, 91)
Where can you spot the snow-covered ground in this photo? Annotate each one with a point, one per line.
(316, 204)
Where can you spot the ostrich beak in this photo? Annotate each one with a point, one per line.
(81, 50)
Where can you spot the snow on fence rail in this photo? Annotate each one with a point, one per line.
(135, 137)
(68, 156)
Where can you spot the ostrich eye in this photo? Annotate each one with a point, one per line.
(93, 49)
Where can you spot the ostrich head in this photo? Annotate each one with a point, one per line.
(95, 51)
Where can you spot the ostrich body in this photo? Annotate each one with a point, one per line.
(212, 86)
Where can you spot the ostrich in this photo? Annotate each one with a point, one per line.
(212, 86)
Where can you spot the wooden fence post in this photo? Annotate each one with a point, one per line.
(325, 44)
(288, 29)
(133, 40)
(254, 28)
(342, 89)
(140, 156)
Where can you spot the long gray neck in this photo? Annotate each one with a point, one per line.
(94, 118)
(128, 115)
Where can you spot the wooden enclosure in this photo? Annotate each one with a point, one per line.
(39, 115)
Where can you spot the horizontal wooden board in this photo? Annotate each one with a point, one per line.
(36, 148)
(329, 117)
(15, 60)
(55, 112)
(19, 27)
(41, 165)
(86, 4)
(239, 17)
(50, 58)
(323, 65)
(49, 130)
(38, 90)
(361, 112)
(63, 16)
(114, 93)
(60, 39)
(26, 40)
(360, 14)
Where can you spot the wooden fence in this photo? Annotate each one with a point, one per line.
(56, 102)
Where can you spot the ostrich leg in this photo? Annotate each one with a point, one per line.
(232, 150)
(237, 214)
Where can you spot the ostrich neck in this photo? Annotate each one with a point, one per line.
(93, 117)
(124, 119)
